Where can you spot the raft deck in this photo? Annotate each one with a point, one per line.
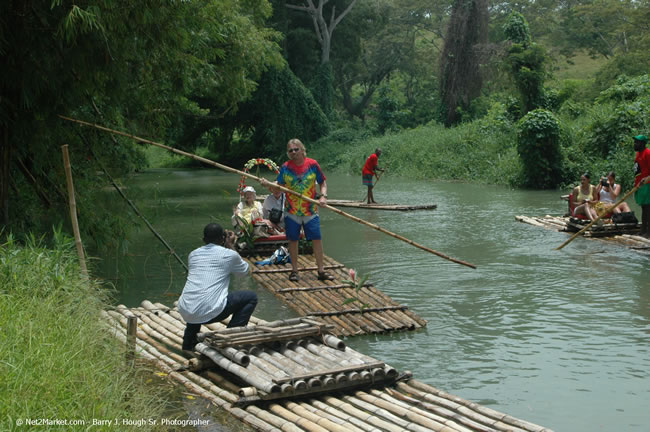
(373, 312)
(397, 404)
(380, 206)
(623, 234)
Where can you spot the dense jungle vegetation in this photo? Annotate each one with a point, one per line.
(527, 93)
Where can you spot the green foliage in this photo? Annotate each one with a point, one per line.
(357, 284)
(622, 112)
(538, 145)
(516, 29)
(616, 125)
(59, 360)
(281, 109)
(323, 88)
(479, 151)
(526, 65)
(626, 89)
(138, 68)
(389, 116)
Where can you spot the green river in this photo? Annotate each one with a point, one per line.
(558, 338)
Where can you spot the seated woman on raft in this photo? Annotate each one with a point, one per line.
(249, 210)
(584, 198)
(608, 192)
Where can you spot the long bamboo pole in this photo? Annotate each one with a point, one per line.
(242, 173)
(609, 210)
(133, 207)
(73, 210)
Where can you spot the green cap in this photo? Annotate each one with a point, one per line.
(641, 138)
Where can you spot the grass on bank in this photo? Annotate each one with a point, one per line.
(482, 151)
(57, 361)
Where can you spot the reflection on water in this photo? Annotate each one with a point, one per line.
(560, 338)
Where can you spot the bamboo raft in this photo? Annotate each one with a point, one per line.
(621, 234)
(403, 404)
(375, 206)
(374, 312)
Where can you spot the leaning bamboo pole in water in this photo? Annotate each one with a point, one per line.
(72, 202)
(284, 189)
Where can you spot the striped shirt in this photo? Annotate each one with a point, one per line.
(206, 290)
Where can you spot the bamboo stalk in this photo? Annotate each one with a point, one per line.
(150, 336)
(343, 415)
(284, 189)
(73, 211)
(319, 420)
(133, 207)
(293, 418)
(256, 380)
(331, 416)
(329, 372)
(386, 415)
(300, 269)
(321, 288)
(279, 422)
(442, 415)
(609, 210)
(373, 420)
(357, 311)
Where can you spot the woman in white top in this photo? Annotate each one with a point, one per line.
(250, 209)
(609, 192)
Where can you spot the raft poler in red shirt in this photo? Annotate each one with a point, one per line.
(642, 176)
(370, 169)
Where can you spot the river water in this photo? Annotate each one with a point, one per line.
(558, 338)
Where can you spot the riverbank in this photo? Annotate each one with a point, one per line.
(60, 367)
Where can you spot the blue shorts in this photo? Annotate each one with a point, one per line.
(292, 228)
(367, 180)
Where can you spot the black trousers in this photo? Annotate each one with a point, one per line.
(240, 305)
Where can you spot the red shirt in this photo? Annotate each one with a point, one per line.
(641, 165)
(371, 164)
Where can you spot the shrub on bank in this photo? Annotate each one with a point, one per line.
(58, 360)
(482, 151)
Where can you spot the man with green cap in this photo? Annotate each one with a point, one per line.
(642, 177)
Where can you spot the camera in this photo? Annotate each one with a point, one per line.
(604, 183)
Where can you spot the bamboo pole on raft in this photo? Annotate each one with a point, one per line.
(609, 210)
(235, 171)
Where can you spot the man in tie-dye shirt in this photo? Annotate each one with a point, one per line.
(301, 174)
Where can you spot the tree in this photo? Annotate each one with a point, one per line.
(538, 145)
(378, 41)
(142, 66)
(526, 62)
(324, 30)
(460, 75)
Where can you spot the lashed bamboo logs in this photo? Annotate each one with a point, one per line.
(381, 314)
(411, 406)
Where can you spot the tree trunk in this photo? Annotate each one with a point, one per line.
(460, 69)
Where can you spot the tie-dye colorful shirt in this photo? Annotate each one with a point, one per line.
(303, 179)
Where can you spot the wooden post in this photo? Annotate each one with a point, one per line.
(73, 211)
(131, 337)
